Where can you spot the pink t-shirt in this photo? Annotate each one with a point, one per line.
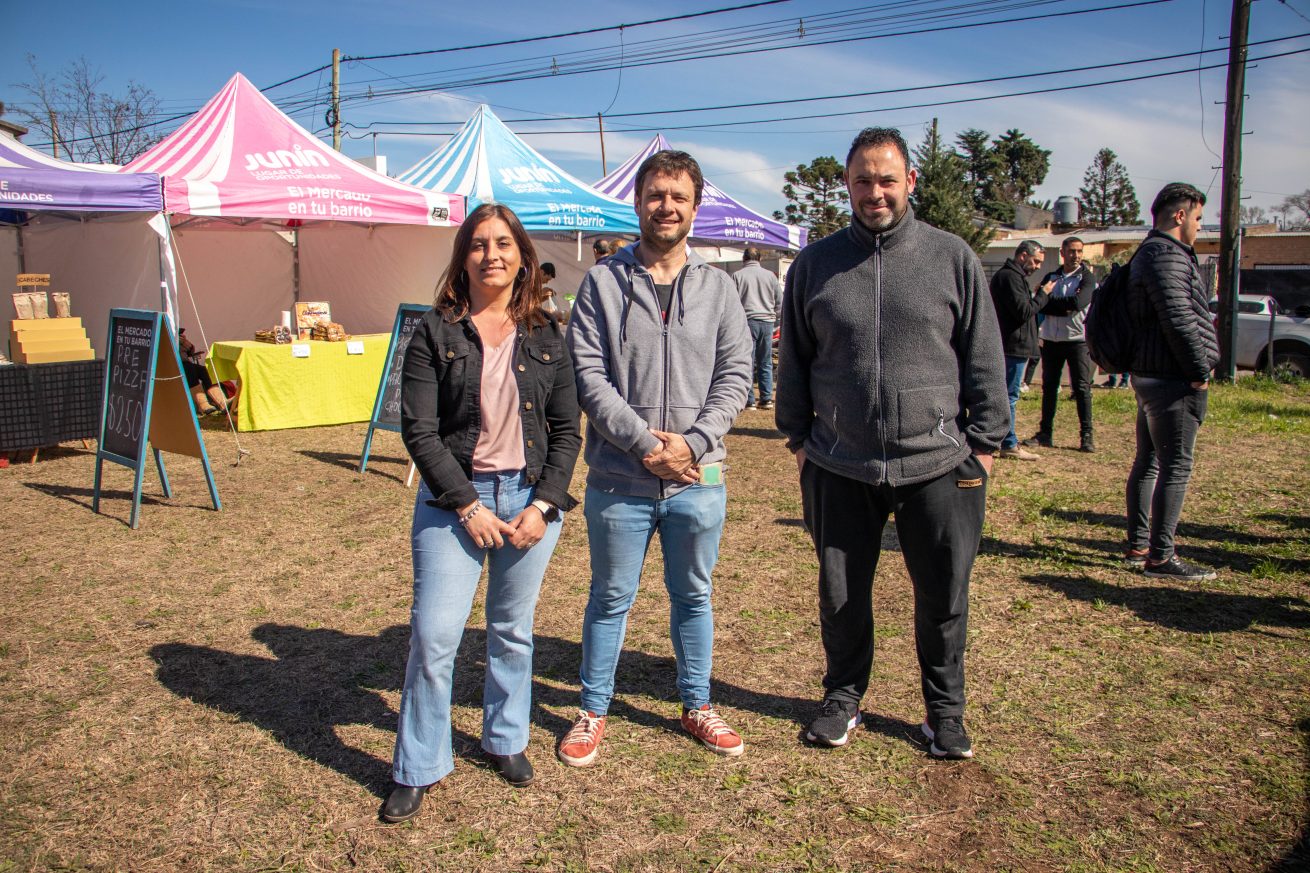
(500, 444)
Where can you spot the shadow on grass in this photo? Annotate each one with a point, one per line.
(1294, 522)
(84, 497)
(1189, 529)
(1298, 856)
(1182, 609)
(1210, 555)
(350, 462)
(321, 679)
(766, 433)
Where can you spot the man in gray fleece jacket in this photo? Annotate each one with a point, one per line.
(892, 395)
(662, 356)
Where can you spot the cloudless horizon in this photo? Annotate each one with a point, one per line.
(1162, 129)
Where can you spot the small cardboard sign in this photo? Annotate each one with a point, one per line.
(300, 350)
(31, 279)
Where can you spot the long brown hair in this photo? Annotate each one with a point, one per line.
(452, 297)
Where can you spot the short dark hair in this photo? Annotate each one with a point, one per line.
(1071, 239)
(1173, 196)
(670, 163)
(548, 268)
(879, 136)
(1029, 247)
(751, 254)
(602, 247)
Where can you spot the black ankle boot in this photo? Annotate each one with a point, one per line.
(515, 769)
(403, 803)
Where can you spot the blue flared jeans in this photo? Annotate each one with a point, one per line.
(447, 567)
(619, 529)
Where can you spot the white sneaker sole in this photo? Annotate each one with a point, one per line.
(937, 752)
(839, 741)
(584, 761)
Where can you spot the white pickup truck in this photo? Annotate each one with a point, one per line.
(1291, 335)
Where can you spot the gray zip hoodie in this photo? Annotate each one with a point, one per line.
(636, 373)
(890, 365)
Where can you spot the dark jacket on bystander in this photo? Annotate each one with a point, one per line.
(1168, 300)
(1016, 306)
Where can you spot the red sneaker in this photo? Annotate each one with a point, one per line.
(581, 744)
(713, 732)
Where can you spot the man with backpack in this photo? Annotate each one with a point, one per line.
(1174, 347)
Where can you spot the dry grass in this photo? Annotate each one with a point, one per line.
(218, 691)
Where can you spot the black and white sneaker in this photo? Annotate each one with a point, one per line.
(948, 739)
(836, 719)
(1177, 568)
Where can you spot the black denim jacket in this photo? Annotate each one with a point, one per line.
(441, 408)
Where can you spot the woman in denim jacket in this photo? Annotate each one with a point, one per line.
(489, 413)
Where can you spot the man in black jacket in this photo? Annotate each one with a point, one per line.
(1063, 343)
(1016, 310)
(1175, 351)
(891, 396)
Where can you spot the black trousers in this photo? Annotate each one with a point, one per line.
(1169, 413)
(1054, 356)
(939, 523)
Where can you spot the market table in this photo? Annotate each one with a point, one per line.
(279, 390)
(46, 404)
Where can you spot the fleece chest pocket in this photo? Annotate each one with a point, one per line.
(926, 424)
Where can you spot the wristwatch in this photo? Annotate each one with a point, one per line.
(548, 512)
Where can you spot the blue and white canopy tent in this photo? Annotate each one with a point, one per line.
(487, 162)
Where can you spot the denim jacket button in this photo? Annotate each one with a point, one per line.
(545, 356)
(530, 443)
(522, 368)
(528, 405)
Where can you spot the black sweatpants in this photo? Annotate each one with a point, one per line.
(1054, 356)
(939, 523)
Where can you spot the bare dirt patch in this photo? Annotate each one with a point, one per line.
(218, 691)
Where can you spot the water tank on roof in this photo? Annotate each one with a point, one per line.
(1066, 210)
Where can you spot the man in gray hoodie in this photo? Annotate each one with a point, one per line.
(892, 396)
(663, 362)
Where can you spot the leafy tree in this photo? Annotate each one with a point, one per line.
(1295, 210)
(979, 161)
(1107, 196)
(1020, 165)
(818, 197)
(82, 121)
(943, 196)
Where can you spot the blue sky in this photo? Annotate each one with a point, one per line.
(1162, 129)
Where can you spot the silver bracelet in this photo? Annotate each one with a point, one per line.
(464, 519)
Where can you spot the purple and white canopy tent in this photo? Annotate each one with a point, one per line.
(721, 219)
(35, 182)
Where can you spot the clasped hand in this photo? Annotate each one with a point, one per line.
(672, 459)
(489, 532)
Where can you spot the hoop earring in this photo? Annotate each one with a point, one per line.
(464, 278)
(523, 273)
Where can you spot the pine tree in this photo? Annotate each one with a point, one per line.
(979, 161)
(1107, 196)
(943, 195)
(1020, 165)
(818, 197)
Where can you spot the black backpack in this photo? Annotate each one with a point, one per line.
(1109, 328)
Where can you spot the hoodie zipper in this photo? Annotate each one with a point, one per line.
(877, 352)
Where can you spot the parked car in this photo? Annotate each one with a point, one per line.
(1256, 314)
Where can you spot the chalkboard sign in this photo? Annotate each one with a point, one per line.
(146, 400)
(130, 371)
(386, 409)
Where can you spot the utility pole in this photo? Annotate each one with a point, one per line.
(600, 123)
(335, 112)
(1230, 227)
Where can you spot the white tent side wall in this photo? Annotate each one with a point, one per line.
(366, 272)
(240, 281)
(108, 262)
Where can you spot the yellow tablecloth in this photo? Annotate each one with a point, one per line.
(281, 391)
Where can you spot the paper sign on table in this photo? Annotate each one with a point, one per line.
(354, 347)
(300, 350)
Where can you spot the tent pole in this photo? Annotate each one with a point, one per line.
(22, 256)
(295, 265)
(579, 245)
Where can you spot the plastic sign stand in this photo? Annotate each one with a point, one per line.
(146, 401)
(386, 409)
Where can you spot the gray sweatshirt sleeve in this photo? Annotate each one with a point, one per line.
(606, 410)
(731, 383)
(982, 366)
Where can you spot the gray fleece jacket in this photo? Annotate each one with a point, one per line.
(890, 366)
(636, 373)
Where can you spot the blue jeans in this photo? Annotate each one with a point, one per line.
(447, 566)
(762, 347)
(619, 529)
(1014, 368)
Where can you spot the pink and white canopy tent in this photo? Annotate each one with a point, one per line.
(332, 229)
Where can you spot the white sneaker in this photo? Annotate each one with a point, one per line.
(1019, 453)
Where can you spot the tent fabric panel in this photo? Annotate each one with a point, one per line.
(365, 273)
(42, 190)
(102, 264)
(232, 283)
